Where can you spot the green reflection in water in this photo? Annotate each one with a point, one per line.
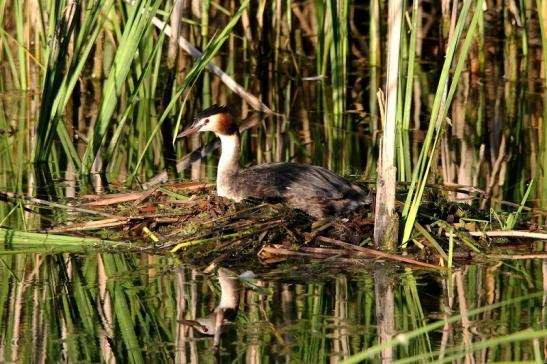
(139, 308)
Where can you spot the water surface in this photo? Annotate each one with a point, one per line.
(139, 308)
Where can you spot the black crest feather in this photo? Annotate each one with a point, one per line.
(212, 110)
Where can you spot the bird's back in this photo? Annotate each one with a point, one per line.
(312, 189)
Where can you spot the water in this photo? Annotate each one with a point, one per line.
(139, 308)
(96, 306)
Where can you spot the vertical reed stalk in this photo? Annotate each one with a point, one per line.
(438, 113)
(59, 82)
(337, 14)
(386, 223)
(206, 84)
(403, 162)
(22, 46)
(374, 60)
(542, 15)
(170, 75)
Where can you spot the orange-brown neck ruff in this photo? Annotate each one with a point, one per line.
(226, 124)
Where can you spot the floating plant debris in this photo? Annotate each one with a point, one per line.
(189, 220)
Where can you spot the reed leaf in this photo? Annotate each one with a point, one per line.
(211, 50)
(133, 100)
(140, 19)
(59, 82)
(16, 238)
(421, 171)
(404, 338)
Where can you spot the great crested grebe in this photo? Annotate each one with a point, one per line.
(312, 189)
(215, 323)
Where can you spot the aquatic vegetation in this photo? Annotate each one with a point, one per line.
(92, 94)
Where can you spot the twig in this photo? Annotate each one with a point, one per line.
(278, 250)
(517, 257)
(379, 254)
(91, 225)
(326, 251)
(13, 196)
(119, 198)
(508, 234)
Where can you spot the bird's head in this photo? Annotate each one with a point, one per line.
(217, 119)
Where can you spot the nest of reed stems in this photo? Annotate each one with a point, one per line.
(189, 220)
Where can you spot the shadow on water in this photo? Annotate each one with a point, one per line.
(141, 308)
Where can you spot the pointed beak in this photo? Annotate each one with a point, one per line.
(195, 325)
(189, 131)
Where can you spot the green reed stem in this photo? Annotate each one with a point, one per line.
(211, 50)
(421, 172)
(20, 238)
(404, 338)
(140, 19)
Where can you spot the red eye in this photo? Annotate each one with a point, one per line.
(206, 121)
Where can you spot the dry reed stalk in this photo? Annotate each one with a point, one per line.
(211, 67)
(517, 256)
(91, 225)
(379, 254)
(385, 228)
(509, 234)
(10, 196)
(119, 198)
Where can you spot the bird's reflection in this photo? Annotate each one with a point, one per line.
(216, 322)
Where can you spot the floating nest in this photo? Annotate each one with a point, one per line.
(189, 220)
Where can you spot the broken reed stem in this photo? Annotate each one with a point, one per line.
(91, 225)
(509, 234)
(239, 234)
(211, 67)
(379, 254)
(385, 228)
(120, 198)
(236, 235)
(10, 196)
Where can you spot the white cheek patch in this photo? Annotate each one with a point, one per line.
(206, 127)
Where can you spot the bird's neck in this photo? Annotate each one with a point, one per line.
(228, 166)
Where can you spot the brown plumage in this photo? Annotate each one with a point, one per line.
(312, 189)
